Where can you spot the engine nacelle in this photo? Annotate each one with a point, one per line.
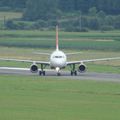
(82, 68)
(34, 68)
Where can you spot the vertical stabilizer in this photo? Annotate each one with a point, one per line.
(57, 44)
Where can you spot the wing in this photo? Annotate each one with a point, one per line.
(27, 61)
(21, 69)
(40, 53)
(75, 53)
(14, 68)
(92, 60)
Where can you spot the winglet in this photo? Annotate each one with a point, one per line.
(57, 44)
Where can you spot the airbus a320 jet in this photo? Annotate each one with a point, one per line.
(58, 61)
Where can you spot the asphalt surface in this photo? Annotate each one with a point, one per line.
(65, 74)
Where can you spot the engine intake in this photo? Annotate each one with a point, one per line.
(82, 68)
(34, 68)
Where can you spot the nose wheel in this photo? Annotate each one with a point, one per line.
(58, 71)
(58, 74)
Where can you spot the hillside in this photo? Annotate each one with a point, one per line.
(71, 15)
(108, 6)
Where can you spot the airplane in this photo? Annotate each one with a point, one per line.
(58, 61)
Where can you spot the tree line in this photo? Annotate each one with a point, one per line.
(108, 6)
(74, 15)
(12, 4)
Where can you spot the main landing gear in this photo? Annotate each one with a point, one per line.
(73, 71)
(42, 72)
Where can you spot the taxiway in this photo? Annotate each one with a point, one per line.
(65, 74)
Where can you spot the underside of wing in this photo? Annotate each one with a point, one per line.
(14, 68)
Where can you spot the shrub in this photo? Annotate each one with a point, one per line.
(18, 25)
(107, 28)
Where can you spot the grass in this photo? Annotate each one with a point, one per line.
(73, 35)
(10, 15)
(30, 98)
(46, 39)
(22, 44)
(50, 98)
(48, 43)
(101, 68)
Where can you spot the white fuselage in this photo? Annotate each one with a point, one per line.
(58, 59)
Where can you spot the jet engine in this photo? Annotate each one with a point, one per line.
(82, 68)
(34, 68)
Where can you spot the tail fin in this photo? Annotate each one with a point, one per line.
(57, 44)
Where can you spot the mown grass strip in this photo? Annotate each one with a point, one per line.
(52, 98)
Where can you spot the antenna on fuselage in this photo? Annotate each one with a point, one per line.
(57, 44)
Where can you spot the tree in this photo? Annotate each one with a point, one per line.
(93, 11)
(101, 14)
(40, 9)
(93, 23)
(109, 20)
(66, 5)
(13, 3)
(117, 22)
(108, 6)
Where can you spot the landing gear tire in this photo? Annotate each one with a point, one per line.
(42, 73)
(58, 74)
(71, 73)
(74, 73)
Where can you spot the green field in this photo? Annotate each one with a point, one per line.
(43, 98)
(46, 39)
(10, 15)
(22, 45)
(56, 98)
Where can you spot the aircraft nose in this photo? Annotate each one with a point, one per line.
(60, 63)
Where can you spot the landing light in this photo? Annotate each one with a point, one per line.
(57, 69)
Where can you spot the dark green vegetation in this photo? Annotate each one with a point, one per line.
(33, 98)
(71, 15)
(109, 6)
(82, 41)
(12, 4)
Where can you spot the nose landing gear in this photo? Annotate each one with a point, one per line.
(58, 74)
(58, 71)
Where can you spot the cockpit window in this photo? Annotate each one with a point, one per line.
(58, 56)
